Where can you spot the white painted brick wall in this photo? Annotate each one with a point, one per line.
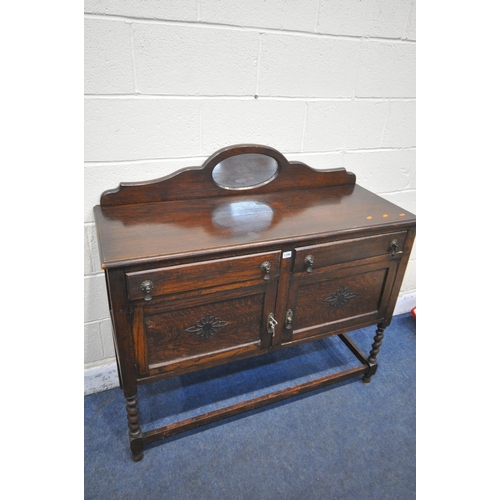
(140, 128)
(367, 124)
(108, 57)
(375, 169)
(296, 15)
(168, 83)
(95, 298)
(304, 66)
(275, 123)
(373, 18)
(386, 18)
(386, 69)
(342, 17)
(411, 27)
(400, 130)
(186, 60)
(173, 10)
(327, 125)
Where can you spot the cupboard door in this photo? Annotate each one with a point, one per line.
(334, 299)
(192, 330)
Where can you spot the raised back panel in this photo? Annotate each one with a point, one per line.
(276, 174)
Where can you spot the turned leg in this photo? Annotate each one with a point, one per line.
(135, 432)
(372, 358)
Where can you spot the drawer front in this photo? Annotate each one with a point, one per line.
(329, 254)
(263, 267)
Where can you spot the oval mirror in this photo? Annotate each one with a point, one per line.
(245, 171)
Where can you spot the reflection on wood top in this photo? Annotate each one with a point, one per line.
(150, 232)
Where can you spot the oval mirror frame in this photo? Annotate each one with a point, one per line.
(245, 171)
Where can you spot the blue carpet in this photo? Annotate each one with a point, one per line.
(347, 441)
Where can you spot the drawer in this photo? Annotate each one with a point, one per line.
(263, 267)
(329, 254)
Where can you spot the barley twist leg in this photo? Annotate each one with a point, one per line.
(134, 432)
(372, 358)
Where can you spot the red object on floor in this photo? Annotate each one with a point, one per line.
(414, 313)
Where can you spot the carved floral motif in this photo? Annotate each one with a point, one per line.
(341, 297)
(207, 326)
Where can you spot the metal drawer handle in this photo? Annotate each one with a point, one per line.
(289, 319)
(309, 261)
(147, 286)
(394, 246)
(266, 269)
(271, 324)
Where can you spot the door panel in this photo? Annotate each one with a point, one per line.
(185, 329)
(203, 329)
(338, 298)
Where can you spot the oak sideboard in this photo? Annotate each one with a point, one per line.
(243, 255)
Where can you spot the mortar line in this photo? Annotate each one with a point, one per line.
(360, 150)
(258, 66)
(96, 274)
(365, 19)
(397, 191)
(304, 127)
(274, 31)
(200, 130)
(93, 321)
(89, 248)
(356, 70)
(93, 274)
(101, 163)
(97, 163)
(134, 69)
(242, 97)
(385, 123)
(405, 29)
(316, 17)
(102, 341)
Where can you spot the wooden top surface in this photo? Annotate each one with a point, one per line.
(150, 232)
